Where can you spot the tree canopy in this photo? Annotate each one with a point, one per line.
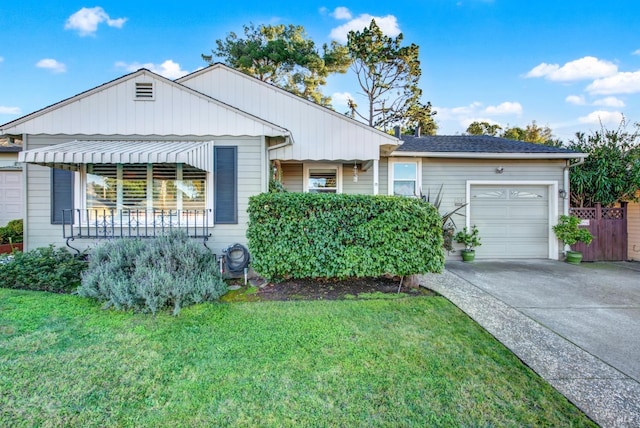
(388, 75)
(285, 56)
(532, 133)
(483, 128)
(611, 172)
(387, 72)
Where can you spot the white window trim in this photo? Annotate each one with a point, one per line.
(394, 160)
(80, 191)
(307, 166)
(553, 205)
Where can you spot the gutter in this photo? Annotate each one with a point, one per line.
(475, 155)
(288, 141)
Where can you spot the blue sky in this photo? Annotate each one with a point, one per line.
(567, 64)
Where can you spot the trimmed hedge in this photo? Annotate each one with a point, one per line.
(311, 235)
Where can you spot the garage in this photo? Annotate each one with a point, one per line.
(10, 196)
(513, 220)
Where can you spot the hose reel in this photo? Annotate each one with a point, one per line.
(236, 258)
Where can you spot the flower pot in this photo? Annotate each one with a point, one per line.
(468, 255)
(574, 257)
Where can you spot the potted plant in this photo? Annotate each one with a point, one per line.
(470, 239)
(569, 233)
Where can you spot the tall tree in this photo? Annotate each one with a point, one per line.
(284, 56)
(388, 75)
(533, 133)
(420, 116)
(483, 128)
(611, 172)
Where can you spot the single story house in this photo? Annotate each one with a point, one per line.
(142, 152)
(11, 203)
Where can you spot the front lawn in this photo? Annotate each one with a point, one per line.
(415, 361)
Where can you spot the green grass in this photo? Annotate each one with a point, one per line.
(415, 361)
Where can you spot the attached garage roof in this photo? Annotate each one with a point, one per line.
(72, 154)
(479, 146)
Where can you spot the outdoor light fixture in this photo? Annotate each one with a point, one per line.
(562, 193)
(355, 172)
(499, 170)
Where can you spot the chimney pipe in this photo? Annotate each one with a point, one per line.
(396, 131)
(418, 131)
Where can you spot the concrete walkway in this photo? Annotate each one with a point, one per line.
(578, 327)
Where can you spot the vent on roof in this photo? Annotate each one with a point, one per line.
(144, 91)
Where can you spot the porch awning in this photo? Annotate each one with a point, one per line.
(71, 155)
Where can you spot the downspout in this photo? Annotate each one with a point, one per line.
(25, 192)
(567, 188)
(288, 141)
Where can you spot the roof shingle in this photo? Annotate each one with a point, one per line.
(473, 144)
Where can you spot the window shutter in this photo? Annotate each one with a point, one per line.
(61, 194)
(225, 164)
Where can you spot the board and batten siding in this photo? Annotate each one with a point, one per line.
(112, 109)
(318, 133)
(251, 181)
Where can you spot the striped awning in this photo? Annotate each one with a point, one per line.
(71, 155)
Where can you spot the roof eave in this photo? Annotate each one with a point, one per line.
(482, 155)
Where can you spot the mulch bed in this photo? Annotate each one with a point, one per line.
(306, 289)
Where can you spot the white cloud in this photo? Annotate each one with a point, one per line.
(577, 100)
(506, 107)
(477, 112)
(10, 110)
(168, 69)
(620, 83)
(636, 52)
(86, 21)
(388, 24)
(585, 68)
(610, 118)
(52, 64)
(341, 13)
(1, 59)
(609, 102)
(341, 99)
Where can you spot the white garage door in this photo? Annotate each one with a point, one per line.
(10, 196)
(513, 220)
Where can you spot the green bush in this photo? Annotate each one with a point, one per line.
(11, 233)
(170, 271)
(308, 235)
(42, 269)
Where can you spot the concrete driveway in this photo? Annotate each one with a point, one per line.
(576, 326)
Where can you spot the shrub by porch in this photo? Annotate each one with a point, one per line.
(308, 235)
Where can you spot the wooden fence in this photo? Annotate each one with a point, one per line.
(609, 229)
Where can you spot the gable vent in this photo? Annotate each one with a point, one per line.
(144, 91)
